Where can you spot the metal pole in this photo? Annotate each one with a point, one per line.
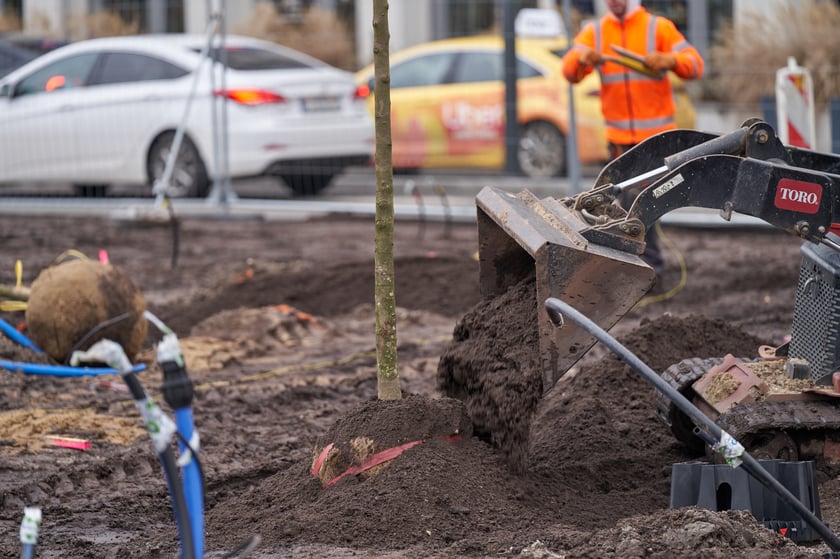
(511, 123)
(216, 189)
(156, 16)
(162, 185)
(229, 194)
(572, 161)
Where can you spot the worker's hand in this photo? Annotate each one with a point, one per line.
(589, 57)
(660, 60)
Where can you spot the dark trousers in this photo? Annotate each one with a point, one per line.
(652, 256)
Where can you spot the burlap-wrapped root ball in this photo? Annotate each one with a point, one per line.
(69, 301)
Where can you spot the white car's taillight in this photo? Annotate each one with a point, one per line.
(251, 96)
(361, 92)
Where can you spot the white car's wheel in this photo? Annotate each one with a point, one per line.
(90, 190)
(541, 151)
(189, 177)
(307, 184)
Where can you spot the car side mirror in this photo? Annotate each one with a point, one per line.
(6, 90)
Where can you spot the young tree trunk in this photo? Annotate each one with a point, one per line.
(388, 381)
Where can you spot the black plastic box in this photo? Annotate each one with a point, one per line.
(720, 487)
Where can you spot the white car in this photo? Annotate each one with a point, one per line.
(105, 111)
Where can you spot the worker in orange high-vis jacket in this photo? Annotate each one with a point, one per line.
(636, 105)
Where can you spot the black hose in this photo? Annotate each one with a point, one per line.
(243, 549)
(179, 503)
(447, 215)
(421, 209)
(96, 329)
(557, 309)
(176, 230)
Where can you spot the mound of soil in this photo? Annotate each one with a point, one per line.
(278, 339)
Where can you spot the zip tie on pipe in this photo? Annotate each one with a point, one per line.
(168, 349)
(191, 450)
(160, 426)
(729, 448)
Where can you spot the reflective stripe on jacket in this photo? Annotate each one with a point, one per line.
(635, 106)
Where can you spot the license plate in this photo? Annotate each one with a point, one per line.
(320, 104)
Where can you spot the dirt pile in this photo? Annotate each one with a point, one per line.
(274, 388)
(597, 458)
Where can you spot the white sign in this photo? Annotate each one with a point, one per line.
(532, 22)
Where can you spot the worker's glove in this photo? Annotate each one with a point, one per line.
(589, 57)
(660, 60)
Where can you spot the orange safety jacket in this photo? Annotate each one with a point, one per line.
(635, 106)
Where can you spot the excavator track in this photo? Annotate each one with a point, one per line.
(681, 376)
(795, 429)
(788, 430)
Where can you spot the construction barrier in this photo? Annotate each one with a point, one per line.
(795, 106)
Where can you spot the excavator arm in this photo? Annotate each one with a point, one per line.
(747, 171)
(582, 253)
(584, 249)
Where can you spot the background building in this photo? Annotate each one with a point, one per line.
(411, 22)
(340, 33)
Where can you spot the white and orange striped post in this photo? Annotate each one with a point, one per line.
(795, 106)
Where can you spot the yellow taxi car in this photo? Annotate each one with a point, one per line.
(448, 106)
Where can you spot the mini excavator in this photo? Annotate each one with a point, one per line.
(585, 250)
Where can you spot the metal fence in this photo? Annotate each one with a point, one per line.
(339, 32)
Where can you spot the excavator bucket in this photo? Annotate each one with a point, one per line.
(520, 234)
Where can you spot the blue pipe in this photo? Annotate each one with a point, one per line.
(191, 479)
(18, 337)
(63, 370)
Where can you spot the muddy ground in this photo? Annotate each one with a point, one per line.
(276, 321)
